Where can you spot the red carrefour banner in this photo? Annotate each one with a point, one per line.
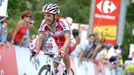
(106, 19)
(8, 62)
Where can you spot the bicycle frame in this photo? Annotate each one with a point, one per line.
(51, 61)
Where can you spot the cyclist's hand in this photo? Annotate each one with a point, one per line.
(62, 52)
(33, 53)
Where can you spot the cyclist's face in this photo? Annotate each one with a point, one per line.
(49, 18)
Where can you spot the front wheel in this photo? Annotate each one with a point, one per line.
(45, 70)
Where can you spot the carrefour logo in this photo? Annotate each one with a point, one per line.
(106, 6)
(106, 9)
(1, 2)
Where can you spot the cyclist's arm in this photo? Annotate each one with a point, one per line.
(67, 34)
(40, 38)
(67, 39)
(39, 42)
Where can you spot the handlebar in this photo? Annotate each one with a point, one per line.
(51, 54)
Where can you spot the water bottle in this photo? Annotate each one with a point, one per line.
(56, 70)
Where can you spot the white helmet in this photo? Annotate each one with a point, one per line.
(51, 8)
(70, 20)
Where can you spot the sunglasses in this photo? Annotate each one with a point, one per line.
(31, 23)
(29, 16)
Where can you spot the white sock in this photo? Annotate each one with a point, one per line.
(69, 71)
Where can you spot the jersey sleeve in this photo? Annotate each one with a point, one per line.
(65, 25)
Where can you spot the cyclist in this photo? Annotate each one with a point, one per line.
(60, 30)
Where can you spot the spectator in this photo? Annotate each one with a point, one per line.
(26, 37)
(101, 45)
(21, 28)
(4, 30)
(114, 56)
(77, 50)
(75, 35)
(128, 61)
(0, 25)
(129, 66)
(114, 51)
(99, 55)
(89, 55)
(86, 47)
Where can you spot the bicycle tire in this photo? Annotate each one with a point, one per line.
(45, 70)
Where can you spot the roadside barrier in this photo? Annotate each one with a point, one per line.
(15, 60)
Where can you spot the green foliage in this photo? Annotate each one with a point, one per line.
(129, 26)
(130, 13)
(128, 38)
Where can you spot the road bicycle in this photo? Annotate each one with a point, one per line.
(51, 66)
